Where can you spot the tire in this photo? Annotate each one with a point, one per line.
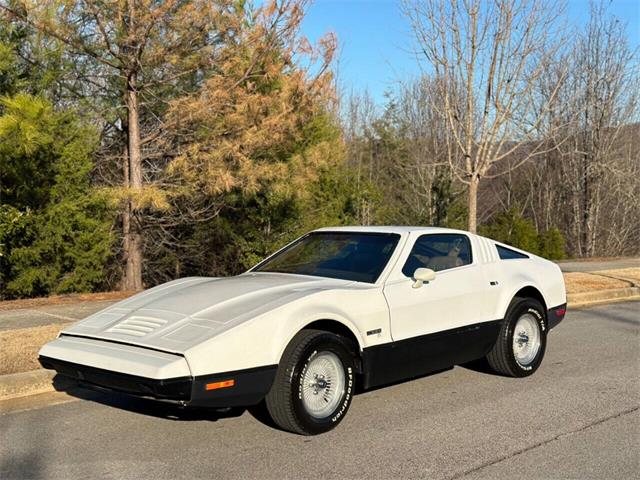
(522, 341)
(305, 400)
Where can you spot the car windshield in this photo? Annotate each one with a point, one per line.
(345, 255)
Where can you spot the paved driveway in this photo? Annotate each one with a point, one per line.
(597, 265)
(47, 314)
(577, 417)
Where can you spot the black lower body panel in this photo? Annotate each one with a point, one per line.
(395, 361)
(555, 315)
(249, 386)
(171, 389)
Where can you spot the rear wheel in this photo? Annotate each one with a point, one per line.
(314, 384)
(521, 345)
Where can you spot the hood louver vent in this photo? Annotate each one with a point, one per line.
(137, 326)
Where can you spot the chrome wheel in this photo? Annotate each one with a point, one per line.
(323, 385)
(526, 339)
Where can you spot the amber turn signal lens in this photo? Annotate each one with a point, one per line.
(217, 385)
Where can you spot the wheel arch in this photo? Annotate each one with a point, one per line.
(532, 292)
(334, 326)
(528, 291)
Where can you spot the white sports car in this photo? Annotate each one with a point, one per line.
(335, 308)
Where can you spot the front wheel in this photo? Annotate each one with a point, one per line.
(314, 384)
(520, 347)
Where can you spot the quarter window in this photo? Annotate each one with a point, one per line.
(507, 254)
(438, 252)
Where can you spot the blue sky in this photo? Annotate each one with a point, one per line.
(375, 40)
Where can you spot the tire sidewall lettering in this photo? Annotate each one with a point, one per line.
(340, 411)
(347, 397)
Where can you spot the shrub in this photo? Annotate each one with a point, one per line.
(552, 244)
(55, 228)
(512, 228)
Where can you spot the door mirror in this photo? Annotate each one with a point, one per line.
(422, 275)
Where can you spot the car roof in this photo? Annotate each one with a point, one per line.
(389, 229)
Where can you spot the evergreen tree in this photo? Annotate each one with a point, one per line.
(54, 228)
(512, 228)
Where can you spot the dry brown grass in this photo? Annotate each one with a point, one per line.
(628, 273)
(578, 282)
(62, 299)
(19, 348)
(590, 260)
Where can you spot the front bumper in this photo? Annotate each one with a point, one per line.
(171, 389)
(151, 374)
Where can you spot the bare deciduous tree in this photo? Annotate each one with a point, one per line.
(488, 57)
(400, 155)
(360, 116)
(589, 167)
(604, 92)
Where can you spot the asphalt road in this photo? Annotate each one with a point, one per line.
(577, 417)
(48, 314)
(598, 265)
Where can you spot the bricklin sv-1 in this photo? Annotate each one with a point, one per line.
(335, 309)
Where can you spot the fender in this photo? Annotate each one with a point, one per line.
(293, 329)
(508, 295)
(360, 310)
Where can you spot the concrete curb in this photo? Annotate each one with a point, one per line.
(26, 383)
(41, 381)
(602, 296)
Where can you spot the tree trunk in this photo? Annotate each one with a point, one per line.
(126, 213)
(130, 221)
(586, 207)
(473, 203)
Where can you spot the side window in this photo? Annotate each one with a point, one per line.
(439, 251)
(507, 254)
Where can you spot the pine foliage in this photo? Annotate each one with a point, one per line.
(55, 227)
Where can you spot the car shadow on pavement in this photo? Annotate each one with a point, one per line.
(482, 366)
(157, 409)
(25, 458)
(27, 464)
(614, 317)
(359, 390)
(144, 406)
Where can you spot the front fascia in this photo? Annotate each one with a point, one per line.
(174, 389)
(147, 373)
(126, 359)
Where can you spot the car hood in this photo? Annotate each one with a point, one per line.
(181, 314)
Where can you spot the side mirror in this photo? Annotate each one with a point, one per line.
(422, 275)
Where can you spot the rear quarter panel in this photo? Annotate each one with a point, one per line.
(535, 272)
